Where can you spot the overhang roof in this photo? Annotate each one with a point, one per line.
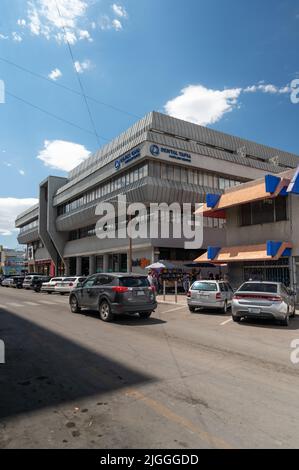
(243, 194)
(244, 253)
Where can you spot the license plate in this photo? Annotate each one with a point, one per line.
(140, 292)
(254, 310)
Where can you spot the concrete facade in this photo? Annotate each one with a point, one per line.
(159, 159)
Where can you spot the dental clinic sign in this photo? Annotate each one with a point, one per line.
(2, 92)
(157, 150)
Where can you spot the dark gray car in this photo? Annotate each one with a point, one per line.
(114, 294)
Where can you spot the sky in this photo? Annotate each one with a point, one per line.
(227, 65)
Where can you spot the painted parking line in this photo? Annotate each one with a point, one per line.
(14, 304)
(226, 322)
(174, 309)
(33, 304)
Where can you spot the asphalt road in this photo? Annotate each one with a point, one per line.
(178, 380)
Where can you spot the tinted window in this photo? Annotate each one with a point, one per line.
(90, 282)
(104, 280)
(205, 286)
(259, 287)
(133, 282)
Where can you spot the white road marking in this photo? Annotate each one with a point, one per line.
(226, 322)
(46, 302)
(14, 304)
(174, 309)
(34, 304)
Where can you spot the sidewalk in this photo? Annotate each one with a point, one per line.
(170, 299)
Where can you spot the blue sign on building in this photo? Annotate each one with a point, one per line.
(175, 154)
(127, 158)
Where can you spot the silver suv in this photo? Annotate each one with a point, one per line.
(210, 294)
(265, 300)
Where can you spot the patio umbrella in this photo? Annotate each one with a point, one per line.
(161, 265)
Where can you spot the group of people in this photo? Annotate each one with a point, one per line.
(155, 279)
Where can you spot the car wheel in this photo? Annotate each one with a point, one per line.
(224, 310)
(48, 292)
(236, 319)
(145, 315)
(105, 311)
(61, 293)
(192, 309)
(74, 305)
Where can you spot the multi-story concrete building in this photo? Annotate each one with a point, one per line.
(262, 229)
(12, 262)
(159, 159)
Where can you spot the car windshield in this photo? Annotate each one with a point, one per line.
(205, 286)
(133, 282)
(259, 287)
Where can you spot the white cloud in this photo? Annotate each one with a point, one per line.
(201, 105)
(2, 36)
(119, 10)
(81, 67)
(205, 106)
(9, 209)
(55, 74)
(62, 155)
(7, 164)
(62, 23)
(16, 37)
(22, 172)
(116, 24)
(267, 88)
(21, 22)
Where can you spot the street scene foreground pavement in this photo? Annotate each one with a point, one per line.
(177, 380)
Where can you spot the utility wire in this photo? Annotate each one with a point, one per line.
(78, 76)
(49, 113)
(65, 87)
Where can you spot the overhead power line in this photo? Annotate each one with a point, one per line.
(49, 113)
(65, 87)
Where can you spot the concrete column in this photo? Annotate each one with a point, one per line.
(67, 266)
(79, 266)
(105, 263)
(92, 265)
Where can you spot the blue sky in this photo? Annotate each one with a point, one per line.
(227, 65)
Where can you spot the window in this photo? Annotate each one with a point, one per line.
(263, 212)
(280, 208)
(205, 286)
(133, 282)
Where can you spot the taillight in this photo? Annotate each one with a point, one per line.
(120, 289)
(218, 296)
(189, 293)
(71, 284)
(271, 298)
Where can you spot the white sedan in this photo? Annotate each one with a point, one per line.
(68, 284)
(49, 287)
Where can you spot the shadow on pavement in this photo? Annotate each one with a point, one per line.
(45, 369)
(272, 324)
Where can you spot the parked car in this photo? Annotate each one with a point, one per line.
(210, 295)
(114, 294)
(18, 282)
(38, 282)
(7, 282)
(66, 285)
(34, 282)
(4, 276)
(265, 300)
(49, 286)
